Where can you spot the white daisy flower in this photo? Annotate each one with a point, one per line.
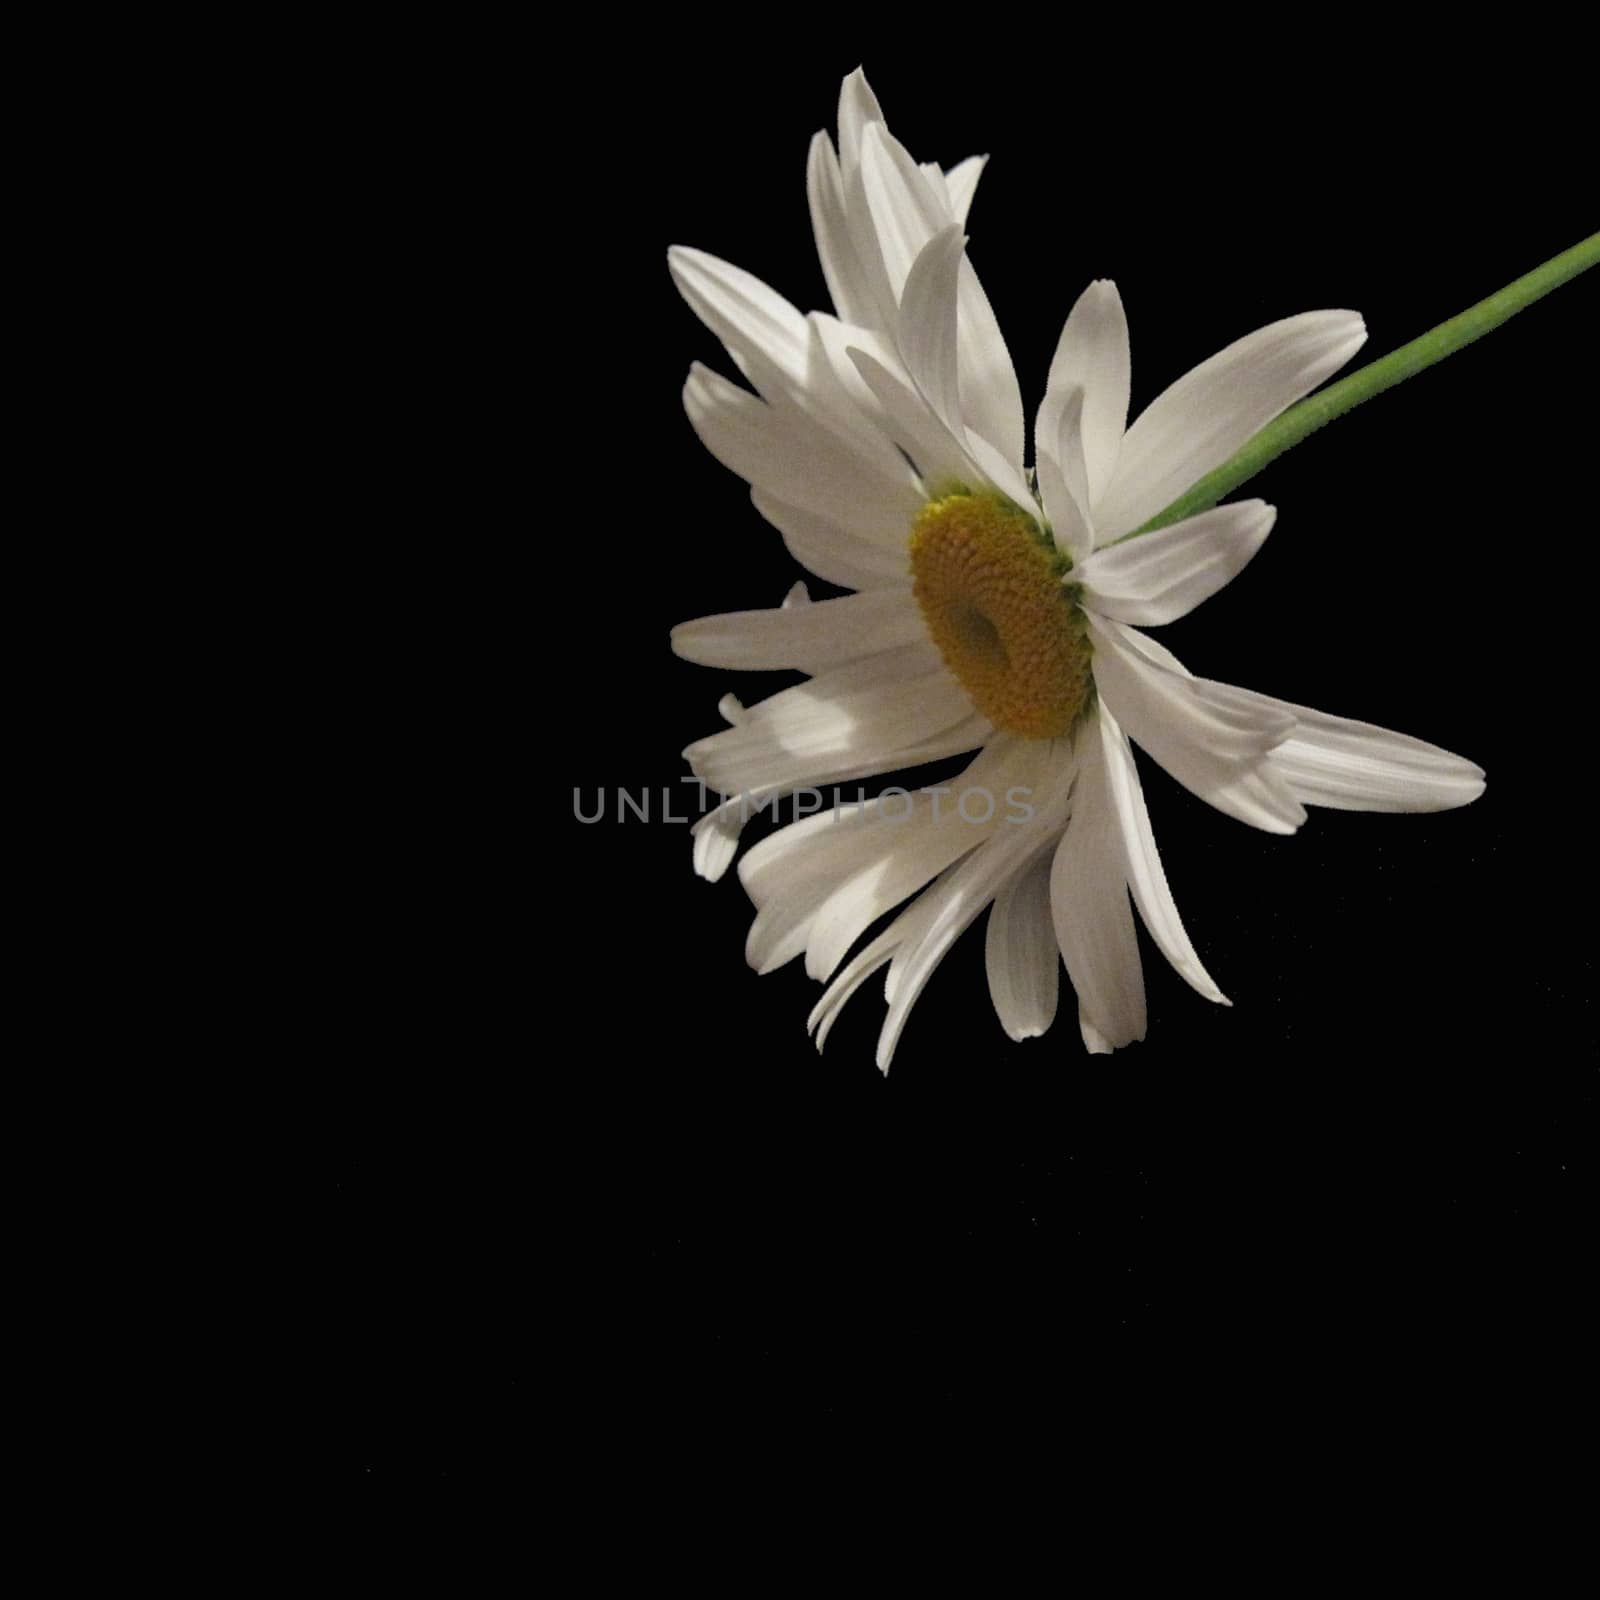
(995, 610)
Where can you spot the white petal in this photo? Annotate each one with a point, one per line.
(998, 471)
(914, 850)
(1159, 577)
(991, 397)
(968, 734)
(1215, 749)
(785, 356)
(1094, 1041)
(1354, 766)
(785, 858)
(826, 1011)
(833, 552)
(918, 938)
(821, 845)
(1145, 874)
(792, 880)
(1021, 955)
(834, 399)
(817, 399)
(792, 459)
(808, 637)
(716, 835)
(747, 316)
(1093, 919)
(819, 883)
(858, 106)
(961, 183)
(1376, 771)
(906, 211)
(1331, 761)
(849, 714)
(716, 841)
(948, 908)
(836, 343)
(1061, 480)
(1125, 668)
(926, 330)
(934, 173)
(736, 426)
(858, 110)
(849, 287)
(909, 862)
(880, 315)
(1092, 355)
(1205, 416)
(911, 422)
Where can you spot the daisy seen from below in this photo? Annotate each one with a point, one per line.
(994, 610)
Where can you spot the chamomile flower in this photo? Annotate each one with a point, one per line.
(995, 610)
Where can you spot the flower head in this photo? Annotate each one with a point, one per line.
(997, 609)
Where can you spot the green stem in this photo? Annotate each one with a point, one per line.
(1311, 413)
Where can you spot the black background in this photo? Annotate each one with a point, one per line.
(1365, 1177)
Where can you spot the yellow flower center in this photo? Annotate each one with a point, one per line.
(990, 587)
